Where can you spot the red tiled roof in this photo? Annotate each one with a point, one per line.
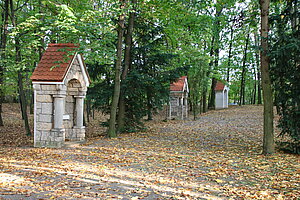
(219, 86)
(54, 63)
(178, 86)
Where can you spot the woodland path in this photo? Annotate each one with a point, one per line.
(215, 157)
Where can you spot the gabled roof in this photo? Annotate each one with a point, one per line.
(220, 86)
(54, 63)
(179, 85)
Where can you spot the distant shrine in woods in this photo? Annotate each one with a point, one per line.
(221, 100)
(60, 82)
(178, 104)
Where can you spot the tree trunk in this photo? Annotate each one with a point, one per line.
(242, 91)
(31, 103)
(88, 110)
(116, 95)
(216, 48)
(268, 139)
(254, 88)
(127, 63)
(22, 96)
(259, 99)
(211, 104)
(205, 90)
(149, 107)
(201, 105)
(229, 54)
(4, 32)
(204, 100)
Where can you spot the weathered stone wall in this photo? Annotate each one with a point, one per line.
(177, 106)
(44, 111)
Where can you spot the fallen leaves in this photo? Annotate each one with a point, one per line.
(215, 157)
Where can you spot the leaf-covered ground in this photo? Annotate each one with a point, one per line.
(218, 156)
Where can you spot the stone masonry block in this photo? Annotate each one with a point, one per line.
(48, 92)
(47, 108)
(67, 125)
(74, 93)
(48, 87)
(44, 98)
(39, 110)
(38, 105)
(44, 126)
(72, 89)
(76, 62)
(76, 85)
(81, 135)
(37, 135)
(51, 137)
(69, 99)
(59, 139)
(69, 108)
(39, 144)
(44, 118)
(61, 88)
(45, 136)
(36, 86)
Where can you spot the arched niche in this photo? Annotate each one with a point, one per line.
(72, 122)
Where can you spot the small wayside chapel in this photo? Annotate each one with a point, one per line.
(221, 100)
(178, 105)
(60, 82)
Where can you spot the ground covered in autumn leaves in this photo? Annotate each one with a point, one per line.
(218, 156)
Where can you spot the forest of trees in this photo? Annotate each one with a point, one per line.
(134, 49)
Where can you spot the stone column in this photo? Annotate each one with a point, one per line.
(58, 111)
(186, 106)
(37, 133)
(57, 135)
(79, 129)
(170, 108)
(79, 111)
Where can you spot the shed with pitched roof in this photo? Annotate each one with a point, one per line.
(178, 103)
(221, 100)
(60, 82)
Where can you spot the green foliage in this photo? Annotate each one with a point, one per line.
(198, 81)
(146, 87)
(285, 70)
(286, 75)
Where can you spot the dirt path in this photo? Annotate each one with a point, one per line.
(214, 157)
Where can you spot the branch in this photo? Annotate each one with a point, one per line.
(19, 7)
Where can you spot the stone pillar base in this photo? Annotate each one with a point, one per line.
(78, 134)
(57, 138)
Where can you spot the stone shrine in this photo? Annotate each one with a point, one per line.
(178, 103)
(60, 82)
(221, 100)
